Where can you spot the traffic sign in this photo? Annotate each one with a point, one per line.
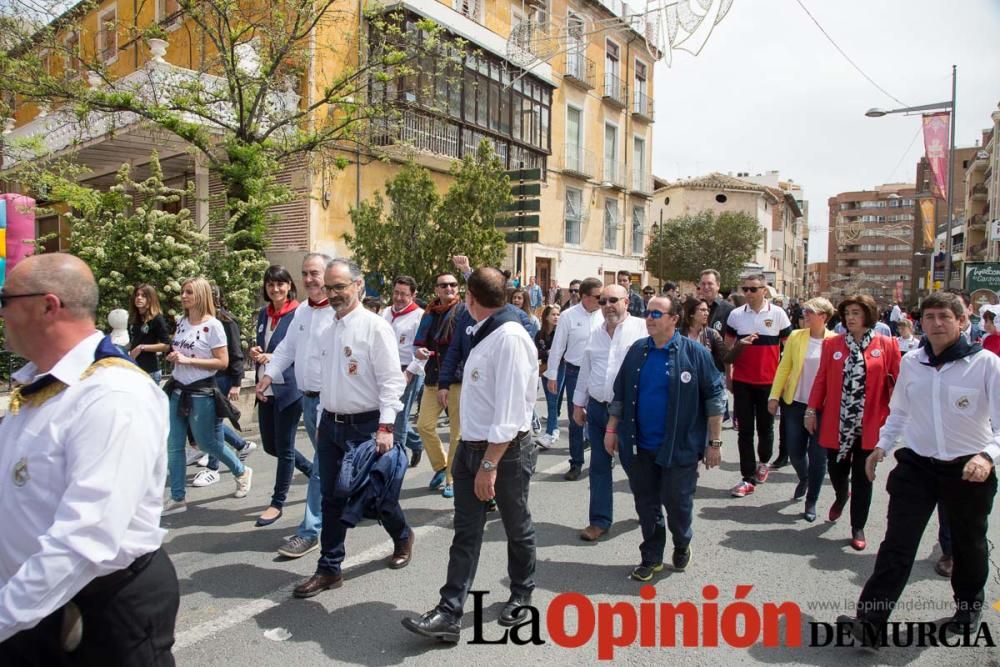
(524, 205)
(521, 237)
(525, 174)
(516, 221)
(526, 190)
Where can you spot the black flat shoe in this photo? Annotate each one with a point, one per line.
(434, 624)
(512, 614)
(261, 522)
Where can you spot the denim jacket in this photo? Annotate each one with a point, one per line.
(696, 393)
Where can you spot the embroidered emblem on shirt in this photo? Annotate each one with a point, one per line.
(685, 377)
(402, 339)
(768, 323)
(876, 353)
(962, 403)
(352, 367)
(837, 356)
(347, 351)
(21, 475)
(475, 374)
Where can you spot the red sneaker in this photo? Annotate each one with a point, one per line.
(742, 490)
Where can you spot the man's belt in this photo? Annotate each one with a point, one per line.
(483, 444)
(115, 579)
(569, 365)
(311, 394)
(357, 418)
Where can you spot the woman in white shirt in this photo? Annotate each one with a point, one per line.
(198, 350)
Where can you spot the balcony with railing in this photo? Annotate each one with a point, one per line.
(642, 182)
(642, 105)
(979, 191)
(580, 71)
(977, 251)
(613, 175)
(614, 90)
(977, 221)
(578, 161)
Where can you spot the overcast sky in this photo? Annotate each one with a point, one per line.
(768, 91)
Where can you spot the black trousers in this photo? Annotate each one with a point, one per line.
(750, 410)
(849, 475)
(916, 485)
(511, 490)
(127, 620)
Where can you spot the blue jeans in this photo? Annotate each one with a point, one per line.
(671, 488)
(576, 442)
(601, 464)
(277, 436)
(335, 440)
(201, 421)
(404, 432)
(804, 451)
(223, 432)
(313, 519)
(553, 401)
(157, 376)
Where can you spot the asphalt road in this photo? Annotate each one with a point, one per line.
(236, 605)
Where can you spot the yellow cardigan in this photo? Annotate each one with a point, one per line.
(786, 378)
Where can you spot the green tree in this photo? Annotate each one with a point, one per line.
(418, 232)
(127, 244)
(683, 246)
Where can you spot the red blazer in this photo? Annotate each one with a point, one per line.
(882, 369)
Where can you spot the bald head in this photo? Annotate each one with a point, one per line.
(61, 274)
(487, 285)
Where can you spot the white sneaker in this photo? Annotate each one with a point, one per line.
(193, 456)
(172, 506)
(243, 483)
(555, 436)
(206, 477)
(544, 441)
(250, 448)
(203, 461)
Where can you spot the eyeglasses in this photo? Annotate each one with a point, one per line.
(574, 291)
(750, 289)
(337, 288)
(445, 285)
(655, 314)
(609, 299)
(649, 293)
(7, 297)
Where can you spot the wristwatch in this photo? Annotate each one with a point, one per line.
(717, 444)
(488, 466)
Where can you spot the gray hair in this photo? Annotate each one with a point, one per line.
(317, 255)
(351, 266)
(754, 276)
(69, 278)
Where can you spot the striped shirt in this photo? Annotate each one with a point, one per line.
(757, 363)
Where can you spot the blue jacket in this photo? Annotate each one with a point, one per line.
(461, 344)
(286, 393)
(691, 402)
(374, 484)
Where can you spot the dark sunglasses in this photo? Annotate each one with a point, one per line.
(574, 291)
(655, 314)
(609, 299)
(447, 285)
(750, 289)
(649, 293)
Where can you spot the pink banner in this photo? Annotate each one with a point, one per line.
(936, 141)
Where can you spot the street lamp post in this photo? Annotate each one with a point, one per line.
(950, 203)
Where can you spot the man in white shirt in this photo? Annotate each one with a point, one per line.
(301, 346)
(946, 408)
(495, 458)
(894, 316)
(404, 317)
(361, 386)
(572, 333)
(83, 579)
(602, 357)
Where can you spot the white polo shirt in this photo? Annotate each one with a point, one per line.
(602, 358)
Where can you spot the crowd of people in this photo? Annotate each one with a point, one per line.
(646, 376)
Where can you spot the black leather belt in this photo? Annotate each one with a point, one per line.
(114, 579)
(483, 444)
(573, 366)
(311, 394)
(357, 418)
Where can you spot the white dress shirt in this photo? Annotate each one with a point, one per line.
(301, 346)
(947, 413)
(81, 486)
(572, 333)
(499, 384)
(603, 356)
(405, 328)
(361, 370)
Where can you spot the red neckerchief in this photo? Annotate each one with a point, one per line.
(438, 306)
(285, 309)
(409, 309)
(325, 303)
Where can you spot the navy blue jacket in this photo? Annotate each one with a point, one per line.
(287, 392)
(696, 393)
(461, 344)
(376, 483)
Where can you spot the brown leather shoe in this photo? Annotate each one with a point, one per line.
(318, 583)
(404, 551)
(944, 566)
(592, 533)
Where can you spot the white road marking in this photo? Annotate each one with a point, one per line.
(244, 612)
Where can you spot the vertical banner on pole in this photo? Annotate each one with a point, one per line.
(936, 140)
(3, 241)
(19, 229)
(929, 222)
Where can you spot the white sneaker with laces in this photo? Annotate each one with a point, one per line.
(203, 461)
(243, 483)
(193, 456)
(250, 448)
(206, 477)
(172, 506)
